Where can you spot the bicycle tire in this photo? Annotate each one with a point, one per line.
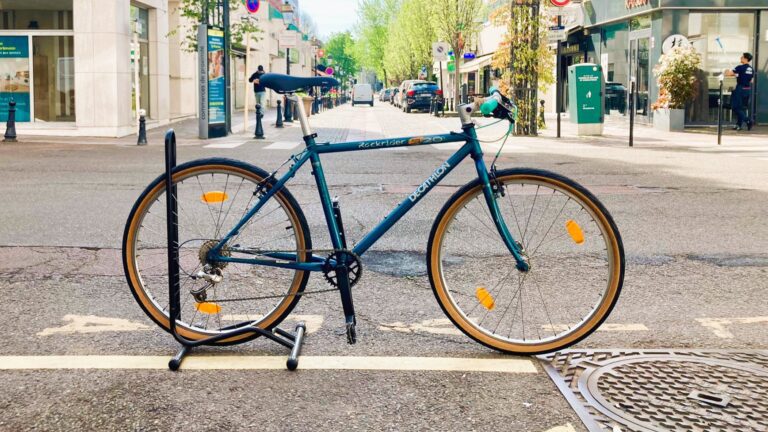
(153, 193)
(473, 327)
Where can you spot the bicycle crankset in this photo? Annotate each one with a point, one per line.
(354, 267)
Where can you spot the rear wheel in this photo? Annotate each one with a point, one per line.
(573, 247)
(213, 195)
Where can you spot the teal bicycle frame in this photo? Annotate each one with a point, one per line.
(312, 154)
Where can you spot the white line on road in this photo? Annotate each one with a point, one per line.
(611, 327)
(229, 145)
(228, 362)
(282, 145)
(442, 326)
(718, 325)
(93, 324)
(313, 322)
(564, 428)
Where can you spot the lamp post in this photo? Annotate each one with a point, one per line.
(287, 12)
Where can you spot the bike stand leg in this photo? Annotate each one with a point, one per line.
(175, 362)
(293, 358)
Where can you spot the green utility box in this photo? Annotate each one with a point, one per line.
(586, 98)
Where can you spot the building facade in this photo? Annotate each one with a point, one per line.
(626, 38)
(86, 67)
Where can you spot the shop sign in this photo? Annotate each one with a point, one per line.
(14, 77)
(636, 3)
(570, 49)
(674, 41)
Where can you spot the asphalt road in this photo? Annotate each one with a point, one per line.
(697, 277)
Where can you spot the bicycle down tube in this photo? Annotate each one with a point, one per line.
(471, 148)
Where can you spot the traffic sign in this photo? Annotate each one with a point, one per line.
(321, 53)
(252, 5)
(440, 51)
(287, 39)
(560, 3)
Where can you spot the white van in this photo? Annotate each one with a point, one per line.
(362, 93)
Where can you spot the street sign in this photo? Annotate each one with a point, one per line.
(560, 3)
(674, 41)
(556, 34)
(440, 51)
(287, 39)
(252, 5)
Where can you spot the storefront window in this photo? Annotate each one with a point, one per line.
(31, 15)
(614, 59)
(53, 66)
(140, 28)
(720, 38)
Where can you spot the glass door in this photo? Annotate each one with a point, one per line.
(640, 72)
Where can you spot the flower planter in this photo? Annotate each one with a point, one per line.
(669, 120)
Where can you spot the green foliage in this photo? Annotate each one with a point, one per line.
(340, 53)
(526, 60)
(374, 17)
(193, 12)
(409, 46)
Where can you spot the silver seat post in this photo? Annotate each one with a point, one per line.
(305, 128)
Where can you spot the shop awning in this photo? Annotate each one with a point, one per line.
(477, 63)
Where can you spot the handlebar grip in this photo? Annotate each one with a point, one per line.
(490, 104)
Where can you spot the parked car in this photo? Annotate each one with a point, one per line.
(419, 95)
(615, 97)
(393, 96)
(385, 95)
(400, 100)
(362, 94)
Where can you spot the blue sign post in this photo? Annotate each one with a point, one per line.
(14, 77)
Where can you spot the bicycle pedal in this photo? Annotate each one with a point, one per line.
(351, 334)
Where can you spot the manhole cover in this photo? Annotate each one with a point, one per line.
(659, 391)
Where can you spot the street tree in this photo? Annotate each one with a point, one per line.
(456, 22)
(525, 58)
(374, 18)
(340, 53)
(193, 13)
(410, 40)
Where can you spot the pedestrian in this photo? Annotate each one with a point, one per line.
(741, 95)
(258, 88)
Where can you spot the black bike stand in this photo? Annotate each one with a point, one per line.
(293, 341)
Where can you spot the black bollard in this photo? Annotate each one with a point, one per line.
(10, 125)
(720, 115)
(279, 122)
(632, 113)
(142, 129)
(288, 111)
(315, 108)
(259, 133)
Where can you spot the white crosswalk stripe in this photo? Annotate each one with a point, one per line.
(225, 145)
(282, 145)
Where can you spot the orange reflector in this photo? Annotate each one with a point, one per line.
(574, 230)
(485, 298)
(208, 308)
(214, 197)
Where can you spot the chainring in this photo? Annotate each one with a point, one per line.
(355, 267)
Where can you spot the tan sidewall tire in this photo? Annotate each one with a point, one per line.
(150, 194)
(597, 211)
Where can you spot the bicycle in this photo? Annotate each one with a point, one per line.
(521, 260)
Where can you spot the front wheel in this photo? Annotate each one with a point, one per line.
(213, 195)
(573, 247)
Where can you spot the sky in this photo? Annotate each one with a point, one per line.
(331, 16)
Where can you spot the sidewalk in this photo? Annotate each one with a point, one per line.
(187, 132)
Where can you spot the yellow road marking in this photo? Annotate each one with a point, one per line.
(93, 324)
(228, 362)
(718, 325)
